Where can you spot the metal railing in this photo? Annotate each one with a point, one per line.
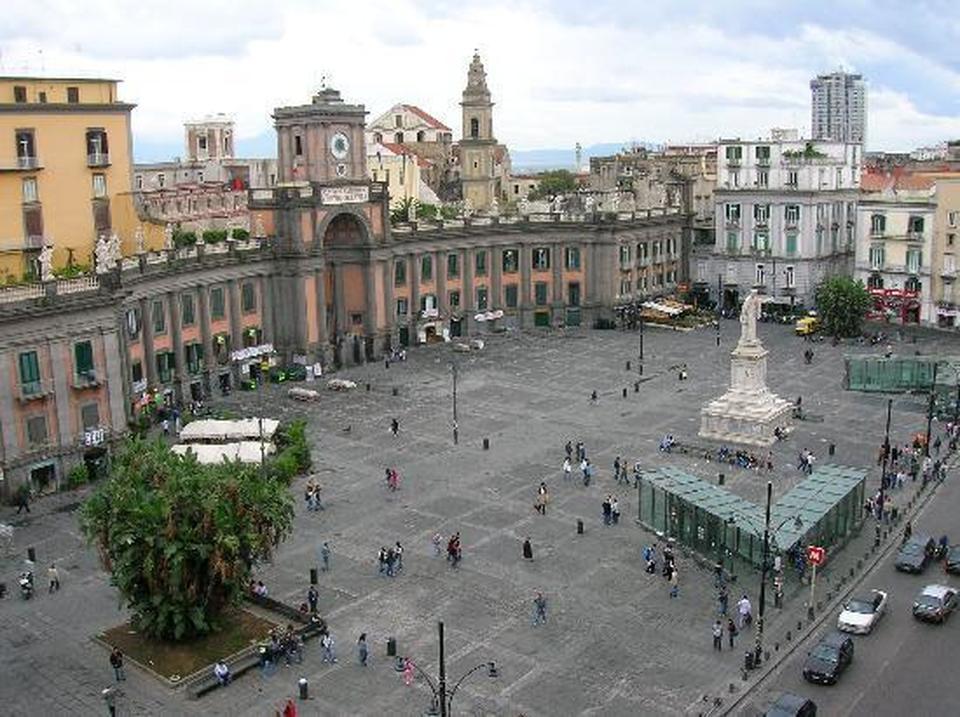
(27, 161)
(98, 159)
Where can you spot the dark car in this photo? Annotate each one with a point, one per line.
(790, 705)
(952, 564)
(935, 603)
(915, 553)
(827, 661)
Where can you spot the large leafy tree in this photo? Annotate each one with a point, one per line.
(180, 538)
(554, 182)
(842, 303)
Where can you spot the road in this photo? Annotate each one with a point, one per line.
(905, 666)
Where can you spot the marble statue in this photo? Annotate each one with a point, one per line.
(45, 260)
(467, 209)
(615, 202)
(439, 212)
(138, 239)
(588, 203)
(494, 207)
(115, 253)
(749, 314)
(412, 212)
(168, 236)
(524, 206)
(101, 254)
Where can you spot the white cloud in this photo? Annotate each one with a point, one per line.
(555, 80)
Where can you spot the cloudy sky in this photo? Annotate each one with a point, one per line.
(561, 71)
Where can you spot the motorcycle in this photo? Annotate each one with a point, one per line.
(26, 585)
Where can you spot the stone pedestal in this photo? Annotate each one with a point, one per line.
(747, 413)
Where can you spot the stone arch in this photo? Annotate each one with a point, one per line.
(346, 227)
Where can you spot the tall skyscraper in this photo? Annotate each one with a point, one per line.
(839, 107)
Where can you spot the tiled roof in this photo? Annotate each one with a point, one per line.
(427, 117)
(399, 149)
(880, 181)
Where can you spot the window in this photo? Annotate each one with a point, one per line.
(626, 287)
(37, 430)
(136, 371)
(89, 416)
(453, 299)
(573, 294)
(398, 121)
(540, 293)
(29, 373)
(29, 186)
(480, 263)
(762, 154)
(138, 181)
(421, 136)
(356, 319)
(951, 237)
(761, 213)
(643, 253)
(165, 366)
(200, 181)
(952, 218)
(792, 214)
(734, 153)
(217, 307)
(540, 258)
(298, 145)
(878, 224)
(876, 256)
(792, 180)
(19, 94)
(99, 185)
(874, 281)
(733, 242)
(482, 297)
(426, 268)
(73, 95)
(734, 178)
(510, 296)
(202, 143)
(763, 178)
(732, 213)
(133, 322)
(83, 358)
(913, 284)
(474, 128)
(510, 261)
(403, 307)
(101, 216)
(572, 258)
(915, 225)
(914, 260)
(43, 97)
(194, 357)
(186, 310)
(624, 256)
(761, 242)
(453, 265)
(248, 297)
(789, 277)
(159, 318)
(760, 276)
(399, 272)
(26, 149)
(839, 177)
(97, 151)
(791, 243)
(161, 180)
(428, 302)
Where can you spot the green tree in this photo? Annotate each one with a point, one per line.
(400, 212)
(554, 182)
(180, 538)
(842, 303)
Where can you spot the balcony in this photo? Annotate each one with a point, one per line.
(98, 159)
(877, 233)
(763, 161)
(733, 161)
(23, 163)
(33, 391)
(914, 236)
(86, 379)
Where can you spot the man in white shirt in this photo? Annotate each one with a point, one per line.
(222, 673)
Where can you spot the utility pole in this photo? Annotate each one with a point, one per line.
(933, 394)
(641, 342)
(443, 675)
(886, 457)
(763, 576)
(719, 305)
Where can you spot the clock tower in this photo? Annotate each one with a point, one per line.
(478, 145)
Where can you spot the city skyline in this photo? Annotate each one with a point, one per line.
(677, 73)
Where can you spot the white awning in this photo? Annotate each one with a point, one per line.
(245, 451)
(216, 430)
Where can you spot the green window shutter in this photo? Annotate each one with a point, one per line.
(83, 356)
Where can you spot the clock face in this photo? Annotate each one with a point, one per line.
(339, 145)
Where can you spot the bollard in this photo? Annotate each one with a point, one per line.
(721, 478)
(628, 365)
(398, 666)
(368, 386)
(776, 647)
(832, 449)
(486, 444)
(304, 688)
(579, 527)
(624, 393)
(396, 391)
(852, 572)
(32, 554)
(810, 613)
(313, 576)
(799, 625)
(747, 661)
(859, 563)
(636, 387)
(391, 647)
(789, 636)
(743, 675)
(732, 687)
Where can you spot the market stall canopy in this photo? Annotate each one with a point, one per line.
(244, 451)
(218, 430)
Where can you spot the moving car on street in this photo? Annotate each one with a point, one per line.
(791, 705)
(935, 603)
(827, 661)
(861, 614)
(915, 553)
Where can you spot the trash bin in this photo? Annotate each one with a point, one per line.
(304, 688)
(313, 576)
(748, 660)
(486, 444)
(391, 647)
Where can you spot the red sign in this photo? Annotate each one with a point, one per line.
(816, 555)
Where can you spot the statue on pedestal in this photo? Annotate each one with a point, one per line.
(557, 204)
(258, 231)
(168, 236)
(101, 253)
(115, 253)
(45, 260)
(749, 314)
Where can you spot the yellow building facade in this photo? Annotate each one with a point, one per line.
(65, 171)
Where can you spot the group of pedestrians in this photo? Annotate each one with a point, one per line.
(390, 560)
(581, 460)
(669, 571)
(393, 479)
(311, 495)
(611, 510)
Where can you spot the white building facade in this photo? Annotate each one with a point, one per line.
(785, 217)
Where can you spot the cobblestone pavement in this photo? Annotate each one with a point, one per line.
(615, 642)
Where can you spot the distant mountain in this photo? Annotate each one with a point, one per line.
(539, 160)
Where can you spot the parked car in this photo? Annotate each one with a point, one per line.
(952, 564)
(861, 614)
(790, 705)
(915, 553)
(935, 603)
(827, 661)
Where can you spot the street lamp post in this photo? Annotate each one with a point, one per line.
(763, 575)
(442, 703)
(933, 394)
(641, 342)
(456, 425)
(886, 457)
(719, 305)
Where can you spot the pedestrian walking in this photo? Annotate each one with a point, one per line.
(527, 549)
(437, 541)
(116, 662)
(394, 427)
(325, 556)
(615, 511)
(567, 469)
(593, 397)
(312, 597)
(744, 611)
(329, 648)
(723, 598)
(539, 609)
(568, 449)
(581, 451)
(382, 560)
(718, 636)
(23, 500)
(454, 549)
(398, 555)
(607, 510)
(408, 675)
(731, 631)
(362, 651)
(391, 563)
(54, 577)
(616, 468)
(542, 497)
(166, 426)
(674, 582)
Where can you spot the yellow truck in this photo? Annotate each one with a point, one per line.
(806, 326)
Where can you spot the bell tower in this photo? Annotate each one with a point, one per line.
(478, 143)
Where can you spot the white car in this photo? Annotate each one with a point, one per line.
(860, 614)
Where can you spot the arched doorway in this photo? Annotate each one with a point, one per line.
(345, 230)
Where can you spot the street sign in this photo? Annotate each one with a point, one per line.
(816, 555)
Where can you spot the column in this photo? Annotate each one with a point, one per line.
(180, 389)
(496, 278)
(320, 282)
(556, 259)
(8, 419)
(236, 325)
(526, 289)
(206, 337)
(389, 304)
(414, 278)
(115, 382)
(62, 362)
(343, 351)
(440, 264)
(266, 308)
(370, 315)
(146, 336)
(466, 295)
